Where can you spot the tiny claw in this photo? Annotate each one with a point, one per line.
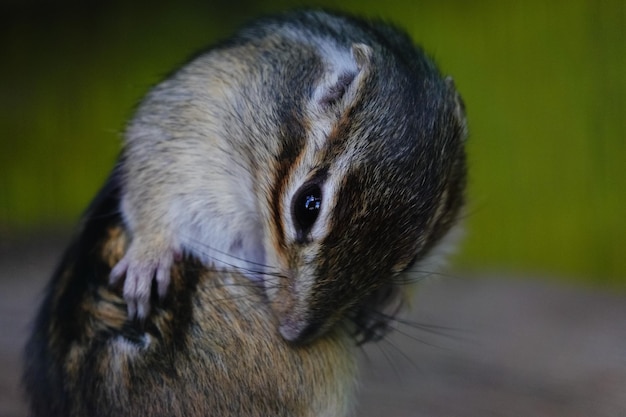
(143, 309)
(132, 310)
(118, 271)
(163, 279)
(140, 271)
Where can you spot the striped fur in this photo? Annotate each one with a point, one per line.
(197, 232)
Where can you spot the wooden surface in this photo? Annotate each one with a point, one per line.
(474, 347)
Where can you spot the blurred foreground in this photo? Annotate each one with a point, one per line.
(486, 347)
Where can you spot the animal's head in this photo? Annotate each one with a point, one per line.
(374, 185)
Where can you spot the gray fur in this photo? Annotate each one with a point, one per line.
(216, 161)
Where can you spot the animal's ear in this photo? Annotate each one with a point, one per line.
(362, 54)
(459, 106)
(343, 79)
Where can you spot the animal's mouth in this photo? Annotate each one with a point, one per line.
(301, 321)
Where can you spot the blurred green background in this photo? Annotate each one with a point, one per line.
(544, 83)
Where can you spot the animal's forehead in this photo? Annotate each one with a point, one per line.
(382, 151)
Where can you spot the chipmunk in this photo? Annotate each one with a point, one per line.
(273, 193)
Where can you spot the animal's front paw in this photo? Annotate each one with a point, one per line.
(140, 268)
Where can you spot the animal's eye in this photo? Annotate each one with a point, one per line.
(307, 204)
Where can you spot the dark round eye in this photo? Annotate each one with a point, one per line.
(306, 207)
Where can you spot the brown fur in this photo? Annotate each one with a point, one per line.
(211, 348)
(225, 299)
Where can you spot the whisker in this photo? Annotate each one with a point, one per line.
(401, 352)
(429, 328)
(440, 331)
(447, 332)
(238, 268)
(389, 360)
(415, 338)
(365, 354)
(230, 255)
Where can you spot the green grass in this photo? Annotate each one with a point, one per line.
(544, 84)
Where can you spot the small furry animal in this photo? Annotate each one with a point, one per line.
(272, 198)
